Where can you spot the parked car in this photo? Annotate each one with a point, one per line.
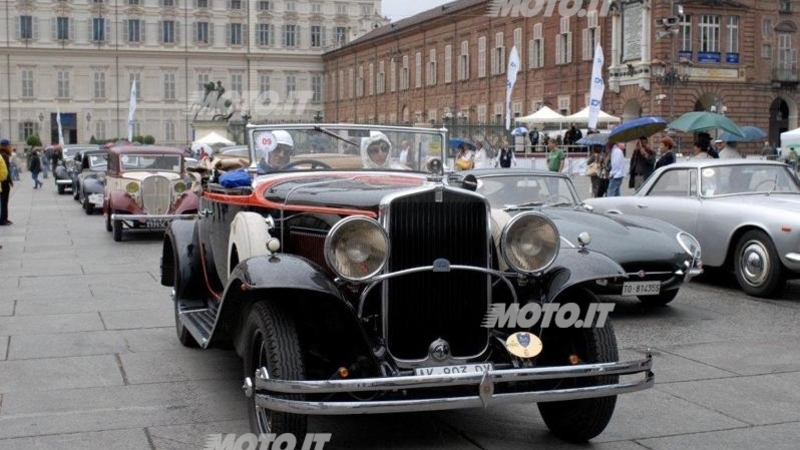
(146, 188)
(90, 179)
(657, 257)
(65, 171)
(352, 284)
(743, 212)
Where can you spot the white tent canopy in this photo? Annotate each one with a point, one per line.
(583, 116)
(542, 116)
(790, 137)
(215, 139)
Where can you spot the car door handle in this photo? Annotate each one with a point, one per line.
(642, 206)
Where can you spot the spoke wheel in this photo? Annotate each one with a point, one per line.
(273, 344)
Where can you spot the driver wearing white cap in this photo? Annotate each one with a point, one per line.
(279, 156)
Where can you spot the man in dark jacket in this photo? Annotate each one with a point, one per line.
(7, 183)
(643, 162)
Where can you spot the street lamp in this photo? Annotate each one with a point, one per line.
(668, 74)
(318, 116)
(88, 121)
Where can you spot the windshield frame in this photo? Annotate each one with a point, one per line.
(123, 169)
(433, 133)
(539, 176)
(777, 167)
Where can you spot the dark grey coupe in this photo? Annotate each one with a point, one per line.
(657, 256)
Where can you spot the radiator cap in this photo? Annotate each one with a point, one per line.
(523, 344)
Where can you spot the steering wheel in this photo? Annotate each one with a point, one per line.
(314, 163)
(553, 199)
(772, 182)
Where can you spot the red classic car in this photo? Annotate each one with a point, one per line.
(146, 188)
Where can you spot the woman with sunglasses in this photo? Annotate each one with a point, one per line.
(376, 152)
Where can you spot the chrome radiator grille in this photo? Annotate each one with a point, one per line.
(423, 307)
(156, 194)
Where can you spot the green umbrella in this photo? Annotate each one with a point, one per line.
(693, 122)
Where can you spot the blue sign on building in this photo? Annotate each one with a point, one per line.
(708, 57)
(732, 58)
(685, 55)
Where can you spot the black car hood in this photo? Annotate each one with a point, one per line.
(357, 191)
(625, 239)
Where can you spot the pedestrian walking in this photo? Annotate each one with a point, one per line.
(617, 172)
(35, 166)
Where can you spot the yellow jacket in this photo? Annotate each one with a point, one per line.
(3, 172)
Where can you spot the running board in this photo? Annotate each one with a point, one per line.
(199, 321)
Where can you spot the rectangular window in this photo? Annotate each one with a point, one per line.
(27, 84)
(341, 9)
(263, 87)
(235, 34)
(291, 87)
(766, 51)
(685, 33)
(26, 130)
(237, 83)
(202, 35)
(98, 29)
(340, 34)
(536, 48)
(290, 36)
(591, 36)
(733, 34)
(99, 85)
(62, 28)
(316, 88)
(371, 79)
(392, 75)
(134, 30)
(63, 84)
(448, 63)
(709, 33)
(404, 74)
(463, 62)
(291, 6)
(432, 67)
(26, 27)
(481, 56)
(168, 3)
(381, 77)
(201, 3)
(499, 55)
(202, 81)
(316, 36)
(360, 82)
(136, 77)
(350, 82)
(766, 27)
(265, 33)
(316, 8)
(418, 70)
(169, 86)
(564, 43)
(169, 131)
(366, 10)
(168, 31)
(133, 2)
(787, 56)
(100, 129)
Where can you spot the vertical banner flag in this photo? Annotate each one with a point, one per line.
(598, 87)
(131, 110)
(60, 130)
(511, 78)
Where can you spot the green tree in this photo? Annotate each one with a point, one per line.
(149, 140)
(34, 141)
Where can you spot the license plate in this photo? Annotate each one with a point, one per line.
(450, 370)
(96, 199)
(156, 223)
(641, 288)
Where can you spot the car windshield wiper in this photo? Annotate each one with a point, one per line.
(334, 135)
(561, 204)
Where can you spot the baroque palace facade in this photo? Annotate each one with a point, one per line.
(80, 57)
(661, 58)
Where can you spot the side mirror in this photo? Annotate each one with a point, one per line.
(470, 183)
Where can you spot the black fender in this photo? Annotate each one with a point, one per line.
(303, 287)
(576, 266)
(181, 249)
(91, 185)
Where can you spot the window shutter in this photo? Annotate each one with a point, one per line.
(21, 128)
(597, 39)
(125, 25)
(90, 22)
(531, 54)
(71, 29)
(53, 28)
(36, 28)
(160, 32)
(559, 52)
(586, 44)
(194, 32)
(228, 5)
(228, 30)
(323, 38)
(17, 28)
(210, 33)
(142, 29)
(107, 36)
(245, 34)
(297, 36)
(178, 31)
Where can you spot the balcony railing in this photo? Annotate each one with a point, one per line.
(786, 74)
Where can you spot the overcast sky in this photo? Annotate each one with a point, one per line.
(400, 9)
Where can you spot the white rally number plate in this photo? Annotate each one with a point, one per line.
(448, 370)
(641, 288)
(156, 223)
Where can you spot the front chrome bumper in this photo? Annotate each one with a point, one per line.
(64, 181)
(152, 216)
(268, 391)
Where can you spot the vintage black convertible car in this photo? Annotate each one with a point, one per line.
(66, 165)
(89, 179)
(353, 278)
(657, 256)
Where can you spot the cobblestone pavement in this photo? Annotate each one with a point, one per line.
(89, 360)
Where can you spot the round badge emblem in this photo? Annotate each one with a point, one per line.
(265, 142)
(708, 173)
(523, 344)
(125, 158)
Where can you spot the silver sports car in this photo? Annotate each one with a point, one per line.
(745, 213)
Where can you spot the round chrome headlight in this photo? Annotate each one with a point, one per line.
(357, 248)
(179, 187)
(132, 187)
(689, 244)
(530, 243)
